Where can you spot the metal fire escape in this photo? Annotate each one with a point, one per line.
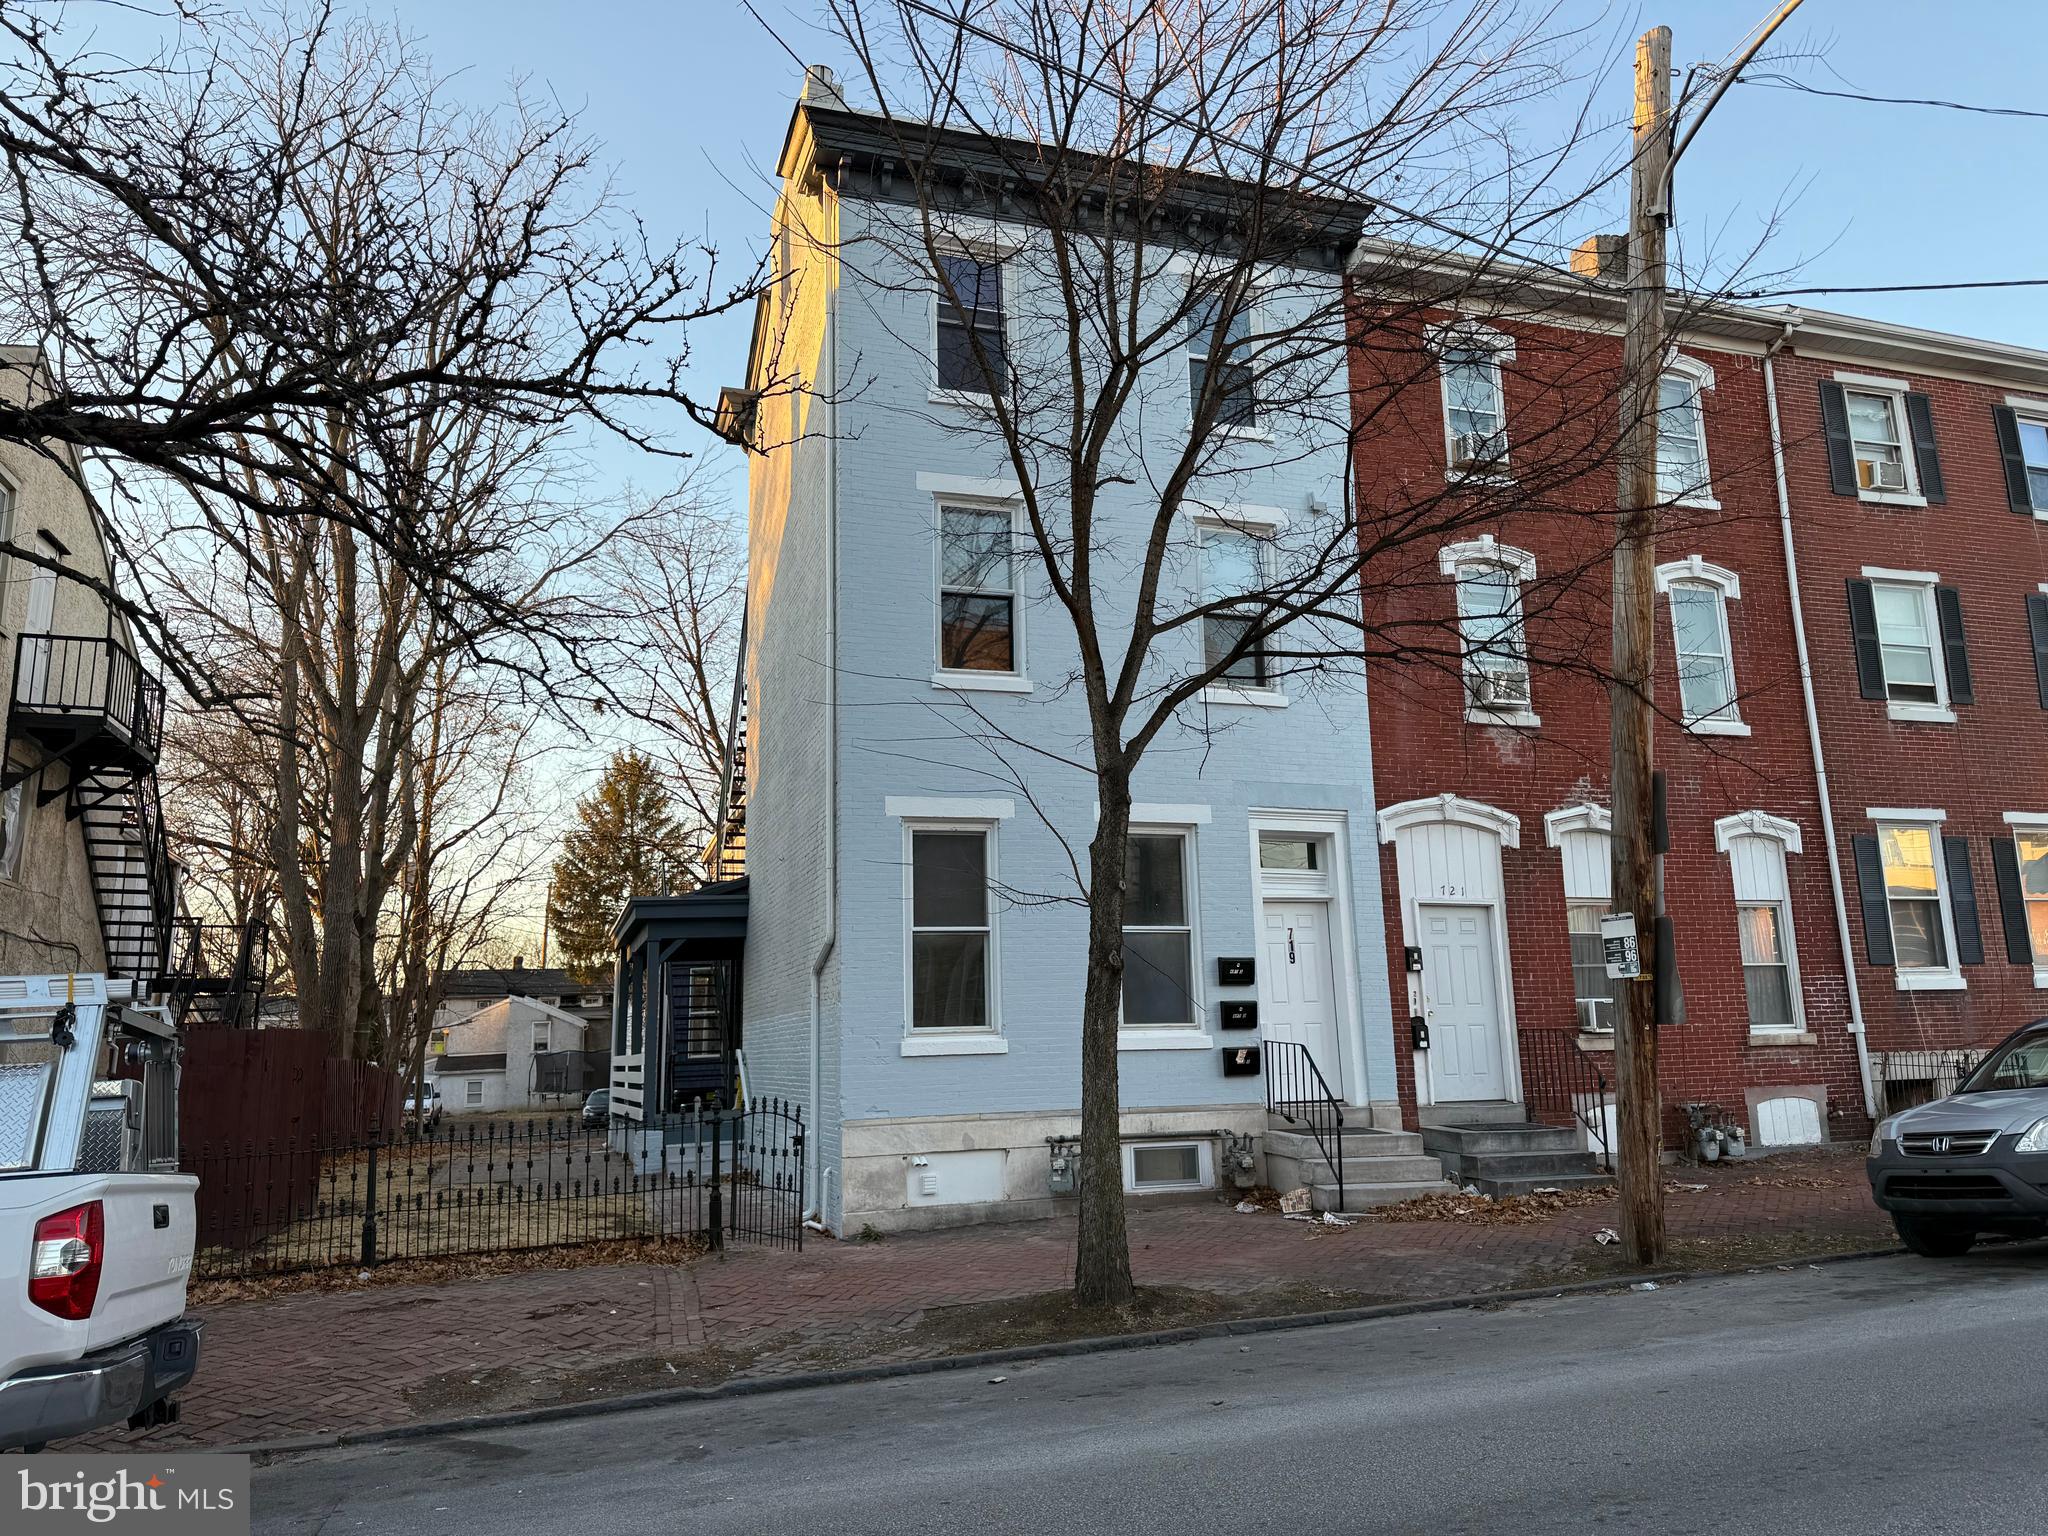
(726, 856)
(86, 706)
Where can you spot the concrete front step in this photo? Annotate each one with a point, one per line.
(1510, 1165)
(1491, 1140)
(1358, 1143)
(1359, 1197)
(1473, 1112)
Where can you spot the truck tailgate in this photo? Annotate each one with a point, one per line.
(149, 1225)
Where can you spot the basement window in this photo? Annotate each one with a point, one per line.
(1156, 1167)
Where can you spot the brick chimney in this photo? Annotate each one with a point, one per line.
(1604, 258)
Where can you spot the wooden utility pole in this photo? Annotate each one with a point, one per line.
(1630, 691)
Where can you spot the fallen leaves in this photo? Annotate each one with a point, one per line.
(672, 1250)
(1481, 1210)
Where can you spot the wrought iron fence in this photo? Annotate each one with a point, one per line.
(1562, 1084)
(1905, 1078)
(488, 1186)
(1297, 1092)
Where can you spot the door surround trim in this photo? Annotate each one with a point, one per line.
(1334, 827)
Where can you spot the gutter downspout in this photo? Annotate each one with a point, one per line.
(814, 1176)
(1820, 766)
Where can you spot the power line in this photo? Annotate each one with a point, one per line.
(2003, 282)
(1787, 83)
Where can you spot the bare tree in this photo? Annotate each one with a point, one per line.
(673, 585)
(228, 250)
(1182, 187)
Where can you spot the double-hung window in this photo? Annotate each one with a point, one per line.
(1159, 941)
(1916, 897)
(1219, 361)
(1877, 440)
(977, 590)
(12, 830)
(1489, 579)
(1233, 565)
(970, 312)
(540, 1038)
(2032, 846)
(1682, 436)
(2033, 435)
(1580, 835)
(1699, 594)
(949, 928)
(1910, 646)
(1475, 408)
(1906, 631)
(1756, 845)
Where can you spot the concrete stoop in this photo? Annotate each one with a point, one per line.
(1501, 1158)
(1380, 1167)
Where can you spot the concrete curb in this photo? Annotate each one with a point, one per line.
(796, 1381)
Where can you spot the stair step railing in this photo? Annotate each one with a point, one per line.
(1562, 1082)
(1297, 1093)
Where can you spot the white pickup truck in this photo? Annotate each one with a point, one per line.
(96, 1223)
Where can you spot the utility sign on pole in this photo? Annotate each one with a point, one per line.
(1618, 941)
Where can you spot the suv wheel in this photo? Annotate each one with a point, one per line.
(1934, 1239)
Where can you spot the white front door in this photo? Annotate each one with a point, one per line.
(42, 618)
(1297, 993)
(1462, 1004)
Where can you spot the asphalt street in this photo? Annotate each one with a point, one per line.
(1889, 1395)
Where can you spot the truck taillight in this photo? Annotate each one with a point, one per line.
(64, 1264)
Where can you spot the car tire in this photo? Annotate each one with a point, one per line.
(1934, 1239)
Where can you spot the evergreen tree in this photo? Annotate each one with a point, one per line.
(626, 842)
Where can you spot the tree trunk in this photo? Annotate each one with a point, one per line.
(1102, 1250)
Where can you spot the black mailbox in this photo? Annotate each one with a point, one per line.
(1235, 971)
(1411, 957)
(1418, 1032)
(1240, 1061)
(1240, 1015)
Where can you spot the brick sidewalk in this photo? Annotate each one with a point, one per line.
(379, 1355)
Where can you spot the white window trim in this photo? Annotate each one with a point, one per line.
(1897, 389)
(1254, 327)
(1694, 571)
(1584, 817)
(1471, 334)
(1181, 1036)
(2027, 409)
(1942, 710)
(2028, 821)
(1950, 979)
(1765, 827)
(958, 1041)
(1205, 1162)
(984, 246)
(1267, 695)
(1485, 550)
(1017, 679)
(1701, 377)
(1243, 516)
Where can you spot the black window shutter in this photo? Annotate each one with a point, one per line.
(1948, 608)
(2037, 622)
(1877, 916)
(1962, 900)
(1863, 631)
(1920, 418)
(2012, 903)
(2019, 496)
(1834, 420)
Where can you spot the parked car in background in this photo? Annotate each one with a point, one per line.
(97, 1225)
(597, 1109)
(423, 1106)
(1974, 1162)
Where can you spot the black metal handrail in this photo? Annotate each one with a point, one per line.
(1560, 1079)
(82, 677)
(1297, 1093)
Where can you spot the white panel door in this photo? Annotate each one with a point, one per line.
(1297, 992)
(1461, 1003)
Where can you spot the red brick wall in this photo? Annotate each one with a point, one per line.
(1559, 404)
(1995, 757)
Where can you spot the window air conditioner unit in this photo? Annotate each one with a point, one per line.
(1886, 476)
(1500, 690)
(1475, 450)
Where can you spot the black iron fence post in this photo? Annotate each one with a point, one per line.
(715, 1226)
(370, 1205)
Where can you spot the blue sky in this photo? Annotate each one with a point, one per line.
(691, 100)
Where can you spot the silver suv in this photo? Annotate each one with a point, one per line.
(1974, 1162)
